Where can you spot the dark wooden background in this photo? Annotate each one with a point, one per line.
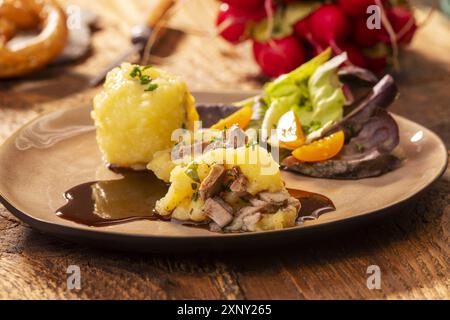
(411, 246)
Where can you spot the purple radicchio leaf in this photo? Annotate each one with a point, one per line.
(371, 165)
(371, 135)
(358, 73)
(380, 133)
(382, 95)
(211, 114)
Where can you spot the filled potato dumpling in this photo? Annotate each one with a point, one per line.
(236, 189)
(184, 151)
(137, 111)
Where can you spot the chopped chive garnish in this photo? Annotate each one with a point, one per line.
(152, 87)
(360, 148)
(136, 72)
(144, 80)
(192, 172)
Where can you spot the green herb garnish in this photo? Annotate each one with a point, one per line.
(244, 199)
(192, 172)
(350, 128)
(152, 87)
(313, 126)
(306, 129)
(252, 144)
(360, 148)
(144, 79)
(214, 140)
(227, 186)
(194, 186)
(136, 72)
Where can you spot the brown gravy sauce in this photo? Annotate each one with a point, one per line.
(313, 205)
(132, 198)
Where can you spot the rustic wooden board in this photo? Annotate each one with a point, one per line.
(411, 247)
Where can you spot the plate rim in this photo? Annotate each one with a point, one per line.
(54, 227)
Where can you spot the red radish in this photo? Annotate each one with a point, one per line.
(246, 5)
(377, 65)
(355, 8)
(363, 36)
(301, 29)
(403, 23)
(234, 22)
(310, 52)
(355, 55)
(377, 57)
(329, 25)
(279, 56)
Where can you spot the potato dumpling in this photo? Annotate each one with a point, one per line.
(284, 218)
(162, 165)
(185, 200)
(189, 146)
(137, 112)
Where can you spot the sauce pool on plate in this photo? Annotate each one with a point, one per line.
(133, 198)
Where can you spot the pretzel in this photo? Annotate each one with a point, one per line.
(33, 54)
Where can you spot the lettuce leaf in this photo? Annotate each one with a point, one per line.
(288, 91)
(313, 91)
(284, 20)
(288, 83)
(326, 95)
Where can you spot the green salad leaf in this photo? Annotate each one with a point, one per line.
(288, 83)
(326, 95)
(283, 21)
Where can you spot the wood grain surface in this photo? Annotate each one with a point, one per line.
(411, 247)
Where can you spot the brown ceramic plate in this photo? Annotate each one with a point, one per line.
(58, 151)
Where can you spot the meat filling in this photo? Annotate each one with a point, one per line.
(239, 184)
(221, 183)
(235, 138)
(212, 183)
(219, 211)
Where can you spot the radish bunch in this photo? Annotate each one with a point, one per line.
(297, 30)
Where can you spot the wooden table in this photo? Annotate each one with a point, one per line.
(411, 247)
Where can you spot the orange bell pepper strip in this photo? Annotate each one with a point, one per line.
(242, 118)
